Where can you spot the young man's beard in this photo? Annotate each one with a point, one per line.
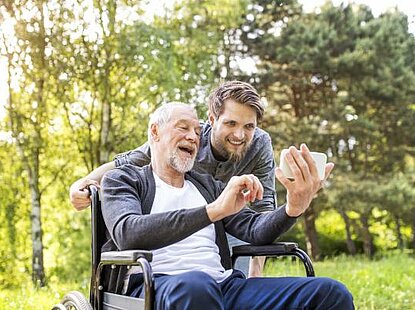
(179, 164)
(230, 155)
(238, 156)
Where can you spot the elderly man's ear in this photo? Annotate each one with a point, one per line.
(154, 130)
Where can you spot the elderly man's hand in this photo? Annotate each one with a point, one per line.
(79, 195)
(306, 183)
(238, 192)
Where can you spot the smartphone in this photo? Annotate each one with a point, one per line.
(319, 158)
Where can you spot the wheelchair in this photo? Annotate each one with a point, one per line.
(109, 268)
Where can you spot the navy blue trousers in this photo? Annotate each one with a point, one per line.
(197, 290)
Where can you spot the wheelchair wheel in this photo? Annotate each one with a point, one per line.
(73, 301)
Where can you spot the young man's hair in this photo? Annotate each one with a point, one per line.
(240, 92)
(162, 115)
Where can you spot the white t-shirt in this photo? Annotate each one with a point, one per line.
(198, 252)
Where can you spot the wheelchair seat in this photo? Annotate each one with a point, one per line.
(109, 268)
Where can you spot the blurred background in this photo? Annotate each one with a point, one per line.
(79, 78)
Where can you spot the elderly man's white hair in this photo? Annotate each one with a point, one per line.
(162, 115)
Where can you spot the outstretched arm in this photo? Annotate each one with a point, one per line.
(302, 190)
(264, 228)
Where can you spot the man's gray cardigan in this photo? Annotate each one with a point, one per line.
(128, 194)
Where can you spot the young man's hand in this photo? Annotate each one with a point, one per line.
(79, 195)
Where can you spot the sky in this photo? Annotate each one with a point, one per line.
(377, 6)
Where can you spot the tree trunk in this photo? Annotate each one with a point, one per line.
(368, 246)
(351, 247)
(104, 148)
(398, 232)
(311, 233)
(106, 118)
(413, 234)
(38, 272)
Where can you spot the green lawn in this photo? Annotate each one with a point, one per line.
(28, 297)
(384, 283)
(380, 284)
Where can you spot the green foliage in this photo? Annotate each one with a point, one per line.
(85, 76)
(83, 80)
(15, 212)
(331, 235)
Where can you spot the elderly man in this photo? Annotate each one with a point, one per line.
(183, 216)
(230, 144)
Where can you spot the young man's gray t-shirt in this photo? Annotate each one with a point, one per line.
(259, 161)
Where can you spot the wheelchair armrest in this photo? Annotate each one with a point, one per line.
(129, 257)
(122, 259)
(275, 249)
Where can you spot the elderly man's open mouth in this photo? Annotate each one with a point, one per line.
(188, 150)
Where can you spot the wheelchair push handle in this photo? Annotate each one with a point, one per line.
(92, 189)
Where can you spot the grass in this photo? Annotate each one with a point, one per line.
(28, 297)
(385, 283)
(380, 284)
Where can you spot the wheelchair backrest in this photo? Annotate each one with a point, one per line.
(97, 232)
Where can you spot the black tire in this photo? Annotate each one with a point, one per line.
(74, 301)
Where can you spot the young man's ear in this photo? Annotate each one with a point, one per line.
(154, 131)
(211, 118)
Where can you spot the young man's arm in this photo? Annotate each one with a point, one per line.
(78, 193)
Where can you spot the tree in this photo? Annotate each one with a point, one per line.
(14, 211)
(398, 198)
(27, 111)
(299, 72)
(333, 80)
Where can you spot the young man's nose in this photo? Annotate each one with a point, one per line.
(239, 134)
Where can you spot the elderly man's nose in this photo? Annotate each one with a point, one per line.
(192, 135)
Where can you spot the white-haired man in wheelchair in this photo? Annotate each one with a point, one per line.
(182, 216)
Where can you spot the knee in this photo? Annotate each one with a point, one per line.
(334, 294)
(196, 283)
(193, 290)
